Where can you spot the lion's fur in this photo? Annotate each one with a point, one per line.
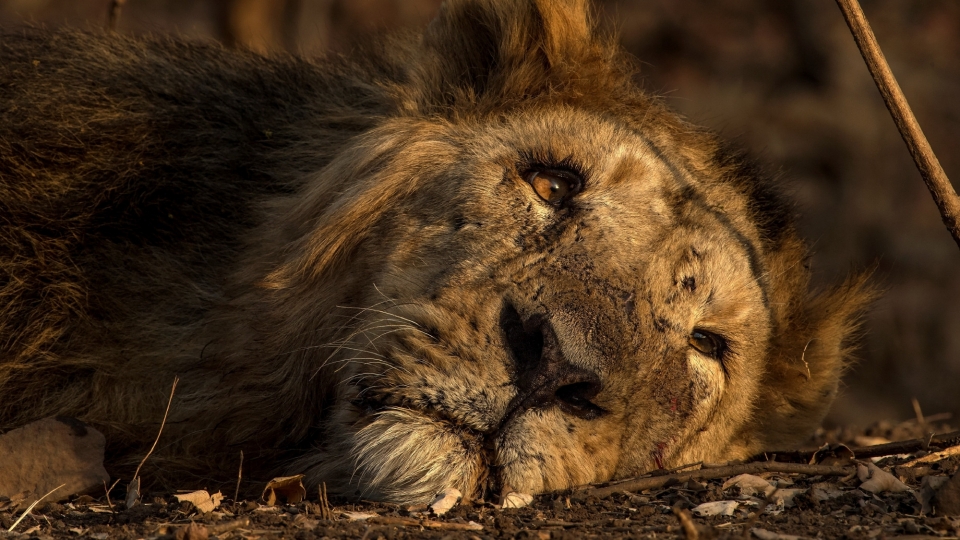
(323, 251)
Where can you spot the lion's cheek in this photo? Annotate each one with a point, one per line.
(545, 450)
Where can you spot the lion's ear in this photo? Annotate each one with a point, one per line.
(508, 48)
(808, 356)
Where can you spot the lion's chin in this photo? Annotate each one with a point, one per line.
(405, 456)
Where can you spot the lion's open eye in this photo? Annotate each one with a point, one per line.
(707, 343)
(553, 186)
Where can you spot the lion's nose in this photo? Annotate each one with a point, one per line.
(544, 376)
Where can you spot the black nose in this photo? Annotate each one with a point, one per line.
(544, 376)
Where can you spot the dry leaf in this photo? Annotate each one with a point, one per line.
(833, 454)
(133, 493)
(202, 500)
(445, 501)
(824, 491)
(750, 485)
(716, 508)
(928, 490)
(286, 488)
(877, 480)
(785, 497)
(45, 454)
(517, 500)
(946, 501)
(14, 501)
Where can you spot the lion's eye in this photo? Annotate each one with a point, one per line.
(552, 187)
(707, 343)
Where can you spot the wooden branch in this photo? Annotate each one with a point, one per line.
(937, 182)
(933, 443)
(757, 467)
(425, 523)
(113, 16)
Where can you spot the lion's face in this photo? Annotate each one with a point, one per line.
(554, 294)
(559, 305)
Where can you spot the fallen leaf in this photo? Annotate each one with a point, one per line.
(833, 454)
(750, 485)
(877, 480)
(133, 493)
(946, 502)
(517, 500)
(764, 534)
(445, 501)
(785, 496)
(14, 501)
(45, 454)
(716, 508)
(203, 501)
(928, 490)
(287, 488)
(824, 491)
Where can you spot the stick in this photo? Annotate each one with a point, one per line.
(133, 490)
(754, 517)
(937, 182)
(653, 482)
(936, 442)
(113, 485)
(162, 423)
(425, 523)
(236, 492)
(690, 531)
(113, 16)
(29, 508)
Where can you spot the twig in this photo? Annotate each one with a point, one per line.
(936, 442)
(918, 411)
(690, 530)
(135, 482)
(236, 492)
(163, 422)
(755, 516)
(653, 482)
(113, 16)
(937, 182)
(31, 507)
(325, 511)
(425, 523)
(113, 485)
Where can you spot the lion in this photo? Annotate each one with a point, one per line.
(481, 257)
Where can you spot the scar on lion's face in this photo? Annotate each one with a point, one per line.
(480, 258)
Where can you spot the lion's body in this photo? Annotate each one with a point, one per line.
(345, 264)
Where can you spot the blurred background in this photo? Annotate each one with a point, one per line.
(784, 79)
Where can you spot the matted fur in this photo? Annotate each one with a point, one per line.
(343, 261)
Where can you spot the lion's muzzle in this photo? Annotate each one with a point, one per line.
(544, 376)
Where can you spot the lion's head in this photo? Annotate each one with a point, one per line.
(531, 275)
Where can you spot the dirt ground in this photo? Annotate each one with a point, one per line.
(821, 507)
